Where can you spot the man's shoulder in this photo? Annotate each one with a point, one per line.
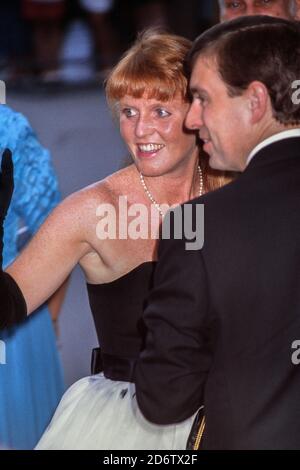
(219, 196)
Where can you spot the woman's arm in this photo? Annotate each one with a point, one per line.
(36, 190)
(53, 252)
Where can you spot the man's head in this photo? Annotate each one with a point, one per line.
(242, 73)
(230, 9)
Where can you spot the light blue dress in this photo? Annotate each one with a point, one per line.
(31, 379)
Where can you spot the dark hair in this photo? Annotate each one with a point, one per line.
(252, 48)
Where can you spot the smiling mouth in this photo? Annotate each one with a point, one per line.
(150, 148)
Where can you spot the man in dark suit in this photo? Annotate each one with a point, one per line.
(222, 320)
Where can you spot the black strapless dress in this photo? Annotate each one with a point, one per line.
(117, 310)
(100, 411)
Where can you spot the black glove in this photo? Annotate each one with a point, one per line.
(12, 304)
(6, 190)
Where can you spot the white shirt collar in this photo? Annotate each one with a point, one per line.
(274, 138)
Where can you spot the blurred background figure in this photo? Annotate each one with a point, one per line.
(104, 38)
(56, 22)
(55, 40)
(14, 41)
(148, 13)
(31, 380)
(134, 16)
(280, 8)
(191, 20)
(76, 41)
(90, 45)
(45, 18)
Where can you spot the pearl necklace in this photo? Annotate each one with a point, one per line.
(156, 203)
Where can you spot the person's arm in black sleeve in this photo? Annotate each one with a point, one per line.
(172, 369)
(12, 303)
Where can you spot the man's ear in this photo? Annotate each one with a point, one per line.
(258, 100)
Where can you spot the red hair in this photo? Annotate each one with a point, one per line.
(154, 66)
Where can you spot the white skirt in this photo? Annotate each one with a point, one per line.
(98, 413)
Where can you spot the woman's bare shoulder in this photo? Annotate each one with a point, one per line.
(109, 189)
(120, 179)
(105, 191)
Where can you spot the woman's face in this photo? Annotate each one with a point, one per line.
(155, 135)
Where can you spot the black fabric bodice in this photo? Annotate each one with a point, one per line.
(117, 309)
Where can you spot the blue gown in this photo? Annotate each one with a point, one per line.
(31, 379)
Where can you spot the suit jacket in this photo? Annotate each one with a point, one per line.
(221, 320)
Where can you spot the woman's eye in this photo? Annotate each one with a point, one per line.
(161, 112)
(129, 112)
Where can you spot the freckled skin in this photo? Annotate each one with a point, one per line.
(144, 120)
(69, 234)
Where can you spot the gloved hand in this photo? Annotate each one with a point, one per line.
(6, 190)
(13, 305)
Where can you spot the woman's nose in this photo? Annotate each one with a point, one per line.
(144, 126)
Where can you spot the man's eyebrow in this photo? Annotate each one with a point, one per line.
(196, 91)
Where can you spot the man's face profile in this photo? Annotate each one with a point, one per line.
(224, 123)
(230, 9)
